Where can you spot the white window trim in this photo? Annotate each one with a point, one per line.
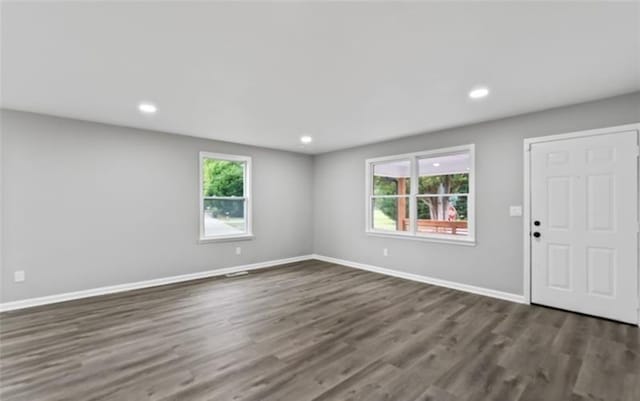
(412, 234)
(248, 234)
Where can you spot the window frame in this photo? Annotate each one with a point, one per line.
(412, 233)
(248, 233)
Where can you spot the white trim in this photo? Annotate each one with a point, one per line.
(414, 187)
(389, 196)
(225, 156)
(425, 279)
(412, 232)
(581, 134)
(526, 224)
(246, 196)
(226, 238)
(69, 296)
(224, 197)
(440, 239)
(407, 156)
(527, 190)
(113, 289)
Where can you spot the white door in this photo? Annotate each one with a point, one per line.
(584, 225)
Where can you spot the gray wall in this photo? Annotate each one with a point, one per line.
(87, 205)
(496, 261)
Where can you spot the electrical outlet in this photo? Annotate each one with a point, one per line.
(19, 276)
(385, 252)
(238, 250)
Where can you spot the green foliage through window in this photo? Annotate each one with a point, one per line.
(389, 186)
(443, 190)
(436, 207)
(222, 178)
(448, 184)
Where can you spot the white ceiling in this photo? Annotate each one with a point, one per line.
(345, 73)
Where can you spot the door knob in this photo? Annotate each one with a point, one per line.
(536, 223)
(536, 234)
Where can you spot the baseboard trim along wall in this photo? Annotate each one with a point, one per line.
(428, 280)
(69, 296)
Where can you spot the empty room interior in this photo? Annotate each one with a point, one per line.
(319, 201)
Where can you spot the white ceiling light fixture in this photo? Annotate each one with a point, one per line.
(306, 139)
(436, 164)
(147, 108)
(479, 92)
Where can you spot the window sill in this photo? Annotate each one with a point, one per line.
(423, 238)
(230, 238)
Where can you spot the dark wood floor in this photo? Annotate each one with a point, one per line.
(313, 331)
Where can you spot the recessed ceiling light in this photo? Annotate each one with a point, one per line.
(147, 108)
(479, 93)
(436, 164)
(306, 139)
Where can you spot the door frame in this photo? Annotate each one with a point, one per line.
(527, 194)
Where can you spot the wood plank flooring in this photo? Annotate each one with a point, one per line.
(313, 331)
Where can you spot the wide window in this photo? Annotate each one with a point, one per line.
(425, 195)
(225, 197)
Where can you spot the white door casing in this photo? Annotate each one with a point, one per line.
(584, 193)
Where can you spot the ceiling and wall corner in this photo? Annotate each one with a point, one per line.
(346, 74)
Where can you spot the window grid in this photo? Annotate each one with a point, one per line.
(246, 232)
(413, 196)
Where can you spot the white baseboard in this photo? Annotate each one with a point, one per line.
(68, 296)
(51, 299)
(428, 280)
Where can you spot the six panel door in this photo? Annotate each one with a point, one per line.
(584, 224)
